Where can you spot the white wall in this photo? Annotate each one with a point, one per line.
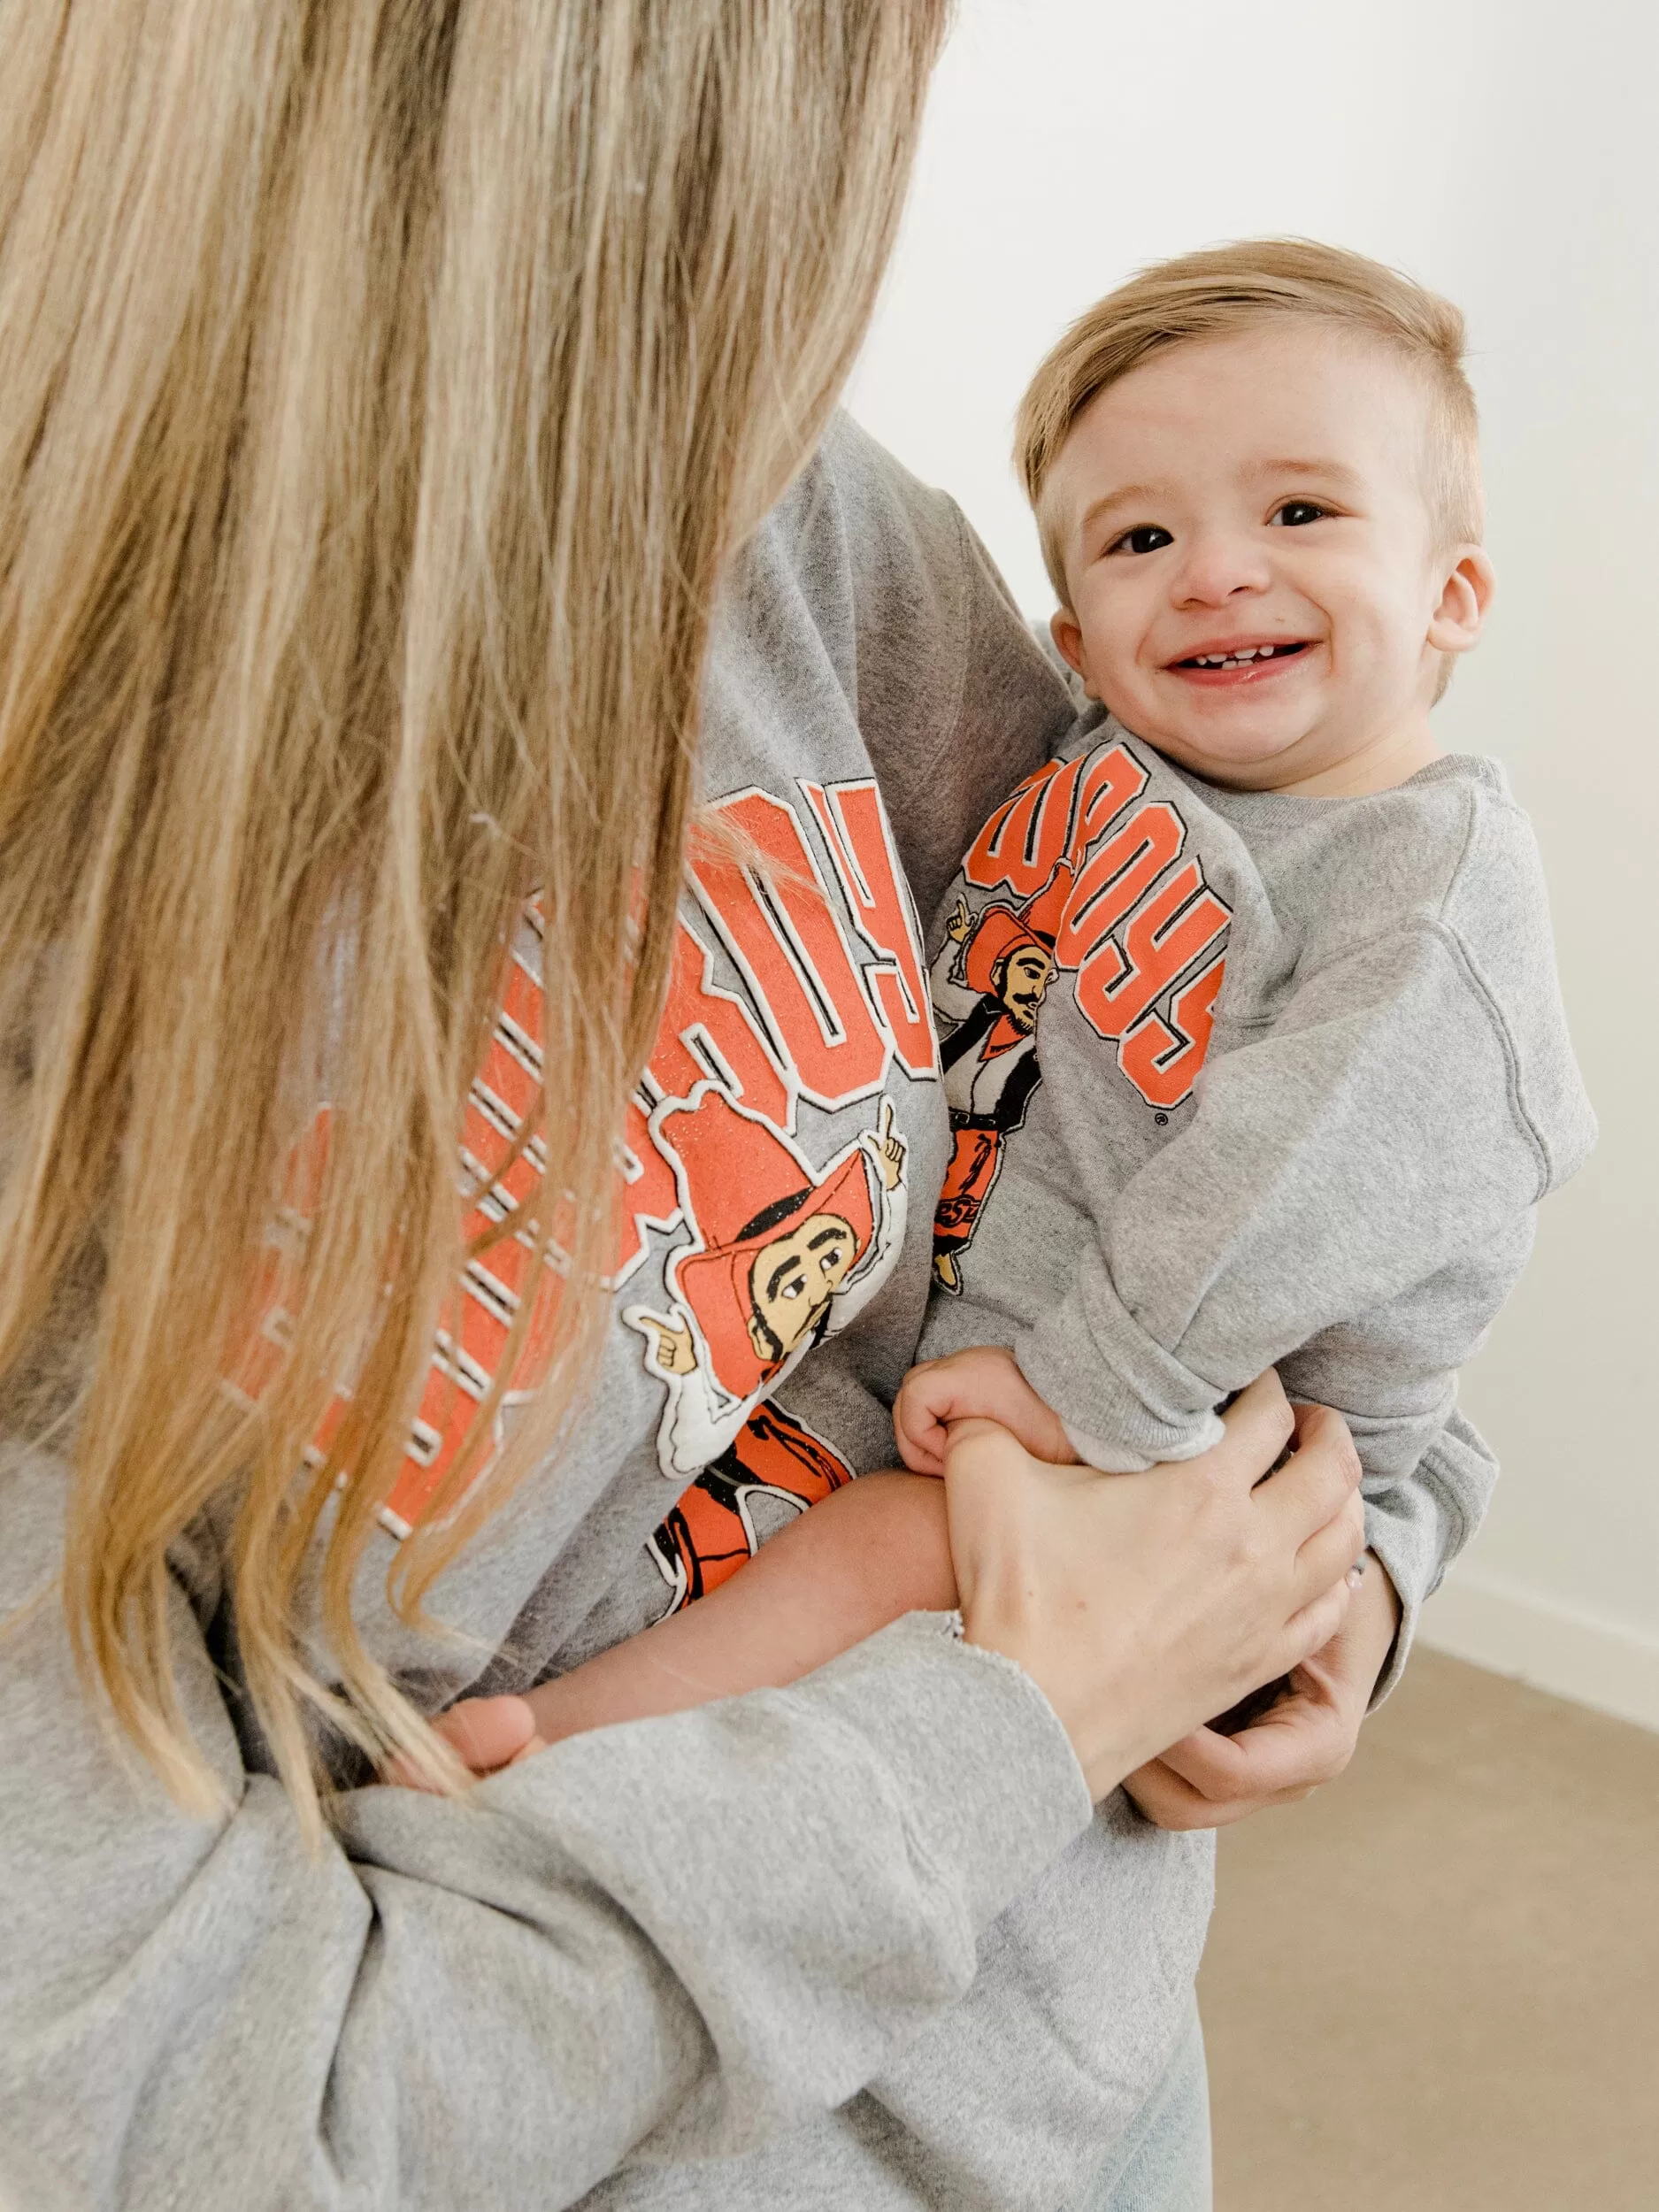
(1508, 153)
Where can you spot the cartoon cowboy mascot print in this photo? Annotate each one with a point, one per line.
(988, 984)
(783, 1254)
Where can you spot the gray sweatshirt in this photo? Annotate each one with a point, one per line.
(1300, 1076)
(858, 1943)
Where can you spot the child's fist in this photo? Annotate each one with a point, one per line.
(486, 1733)
(984, 1382)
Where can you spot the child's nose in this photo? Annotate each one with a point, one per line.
(1217, 568)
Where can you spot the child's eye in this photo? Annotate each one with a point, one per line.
(1146, 537)
(1296, 512)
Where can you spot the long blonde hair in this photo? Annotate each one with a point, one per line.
(383, 385)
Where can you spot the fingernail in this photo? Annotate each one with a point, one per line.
(1356, 1574)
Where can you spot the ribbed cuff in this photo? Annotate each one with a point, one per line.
(1117, 1389)
(992, 1786)
(1112, 1459)
(1409, 1546)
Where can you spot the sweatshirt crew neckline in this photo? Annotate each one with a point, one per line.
(1286, 809)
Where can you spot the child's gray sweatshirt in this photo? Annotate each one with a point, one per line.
(1300, 1077)
(855, 1944)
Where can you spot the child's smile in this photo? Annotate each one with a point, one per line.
(1258, 585)
(1228, 663)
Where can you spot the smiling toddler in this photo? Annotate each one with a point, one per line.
(1254, 1046)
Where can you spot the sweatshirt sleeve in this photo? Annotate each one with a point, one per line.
(679, 1938)
(1366, 1144)
(1416, 1524)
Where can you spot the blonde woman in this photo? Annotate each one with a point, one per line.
(471, 746)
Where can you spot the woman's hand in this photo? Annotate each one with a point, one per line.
(1207, 1780)
(1141, 1605)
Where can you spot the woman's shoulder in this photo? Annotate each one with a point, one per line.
(872, 548)
(954, 699)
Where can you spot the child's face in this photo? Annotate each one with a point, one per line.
(1264, 491)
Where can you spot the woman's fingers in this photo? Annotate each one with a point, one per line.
(1313, 1500)
(1209, 1781)
(1304, 1740)
(1295, 1746)
(1216, 1766)
(1259, 1423)
(1324, 1559)
(1162, 1796)
(1312, 1629)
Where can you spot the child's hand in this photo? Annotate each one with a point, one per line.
(984, 1381)
(486, 1733)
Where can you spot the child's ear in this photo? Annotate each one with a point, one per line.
(1455, 624)
(1068, 637)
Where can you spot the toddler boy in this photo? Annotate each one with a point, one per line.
(1254, 1049)
(1301, 1072)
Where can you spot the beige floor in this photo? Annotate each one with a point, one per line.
(1435, 1986)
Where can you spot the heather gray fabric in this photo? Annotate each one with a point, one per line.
(728, 1959)
(1343, 1187)
(1164, 2161)
(685, 1935)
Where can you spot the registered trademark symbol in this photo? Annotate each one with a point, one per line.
(1161, 1119)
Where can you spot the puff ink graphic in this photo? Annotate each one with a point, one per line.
(796, 979)
(783, 1254)
(988, 984)
(710, 1533)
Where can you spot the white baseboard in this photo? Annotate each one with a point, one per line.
(1511, 1630)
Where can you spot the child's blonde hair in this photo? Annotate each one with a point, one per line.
(1222, 292)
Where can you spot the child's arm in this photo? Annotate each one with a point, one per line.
(861, 1557)
(1360, 1173)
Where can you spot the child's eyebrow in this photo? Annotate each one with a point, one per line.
(1120, 495)
(1332, 472)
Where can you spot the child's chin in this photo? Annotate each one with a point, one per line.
(1243, 758)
